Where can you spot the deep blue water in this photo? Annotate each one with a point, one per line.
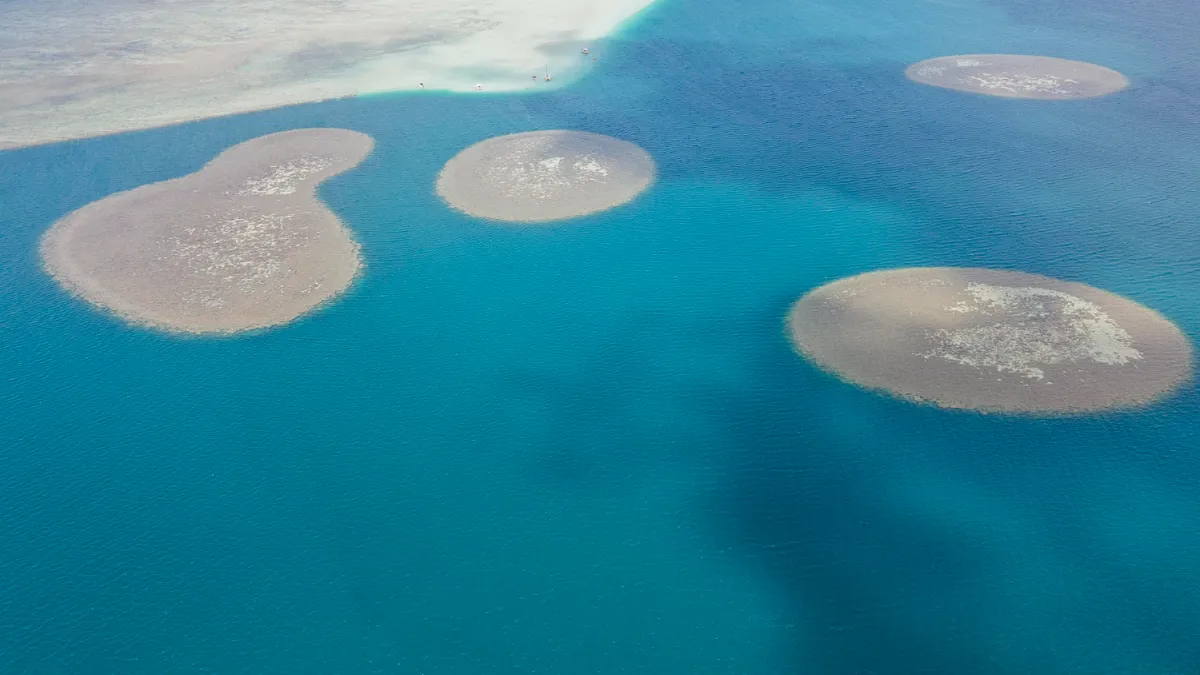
(588, 448)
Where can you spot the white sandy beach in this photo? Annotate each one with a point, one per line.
(73, 70)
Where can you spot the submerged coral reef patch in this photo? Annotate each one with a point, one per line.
(990, 340)
(243, 243)
(1018, 76)
(541, 176)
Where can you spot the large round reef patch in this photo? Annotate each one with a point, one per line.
(990, 340)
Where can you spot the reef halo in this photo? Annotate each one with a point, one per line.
(241, 244)
(542, 176)
(1018, 76)
(990, 340)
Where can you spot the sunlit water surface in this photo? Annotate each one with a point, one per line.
(588, 448)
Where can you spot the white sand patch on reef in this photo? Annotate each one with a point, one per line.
(73, 70)
(282, 179)
(1082, 332)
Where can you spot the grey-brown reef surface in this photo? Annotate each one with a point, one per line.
(990, 340)
(242, 244)
(541, 176)
(1018, 76)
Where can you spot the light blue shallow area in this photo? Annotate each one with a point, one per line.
(588, 448)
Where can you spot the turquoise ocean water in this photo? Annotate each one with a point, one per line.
(588, 448)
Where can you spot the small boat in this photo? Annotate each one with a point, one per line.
(547, 74)
(585, 50)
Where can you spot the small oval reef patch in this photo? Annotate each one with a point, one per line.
(542, 176)
(1018, 76)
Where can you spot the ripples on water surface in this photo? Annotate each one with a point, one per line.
(588, 448)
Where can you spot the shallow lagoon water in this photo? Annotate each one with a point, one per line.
(589, 448)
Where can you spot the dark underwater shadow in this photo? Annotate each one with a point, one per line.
(879, 584)
(806, 505)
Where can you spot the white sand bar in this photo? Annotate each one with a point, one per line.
(1018, 76)
(244, 243)
(73, 69)
(991, 340)
(541, 176)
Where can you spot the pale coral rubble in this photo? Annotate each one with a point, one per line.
(990, 340)
(543, 176)
(1018, 76)
(243, 243)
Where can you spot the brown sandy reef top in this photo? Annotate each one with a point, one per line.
(990, 340)
(244, 243)
(541, 176)
(1018, 76)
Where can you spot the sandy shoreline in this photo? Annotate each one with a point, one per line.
(242, 244)
(69, 71)
(990, 340)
